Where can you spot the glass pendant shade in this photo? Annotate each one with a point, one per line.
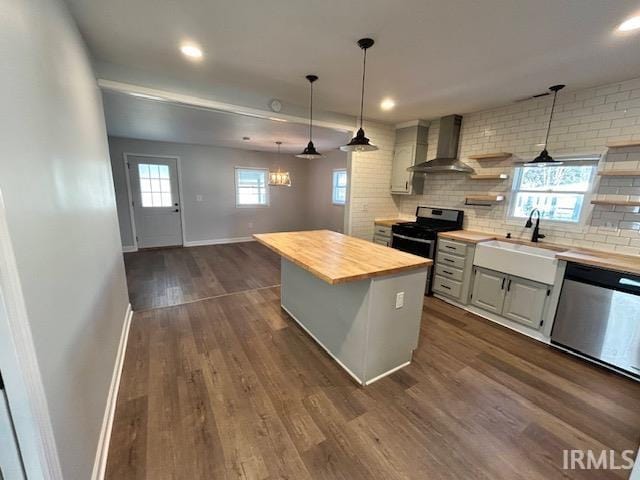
(279, 179)
(360, 143)
(544, 159)
(310, 152)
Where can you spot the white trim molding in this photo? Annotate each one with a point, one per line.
(21, 372)
(129, 248)
(100, 462)
(218, 241)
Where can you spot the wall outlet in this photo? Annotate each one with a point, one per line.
(198, 198)
(399, 299)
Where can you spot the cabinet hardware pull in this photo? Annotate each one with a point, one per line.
(502, 287)
(406, 185)
(448, 260)
(447, 272)
(509, 286)
(449, 246)
(444, 286)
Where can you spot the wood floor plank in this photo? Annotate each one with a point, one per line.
(231, 388)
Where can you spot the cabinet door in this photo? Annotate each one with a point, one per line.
(403, 158)
(488, 290)
(524, 301)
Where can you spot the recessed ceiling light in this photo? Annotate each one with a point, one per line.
(631, 24)
(387, 104)
(246, 139)
(192, 51)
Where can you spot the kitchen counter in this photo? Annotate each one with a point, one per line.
(584, 256)
(359, 301)
(388, 222)
(337, 258)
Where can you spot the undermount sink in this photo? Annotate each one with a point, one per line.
(538, 264)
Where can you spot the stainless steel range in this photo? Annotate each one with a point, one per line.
(420, 237)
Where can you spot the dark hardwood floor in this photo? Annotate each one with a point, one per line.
(172, 276)
(231, 387)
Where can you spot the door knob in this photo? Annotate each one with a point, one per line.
(177, 210)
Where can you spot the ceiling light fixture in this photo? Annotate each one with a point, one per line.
(360, 143)
(310, 151)
(191, 51)
(279, 179)
(544, 158)
(387, 104)
(629, 25)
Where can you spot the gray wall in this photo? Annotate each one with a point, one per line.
(61, 213)
(322, 212)
(209, 171)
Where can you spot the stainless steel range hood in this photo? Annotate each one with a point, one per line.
(447, 150)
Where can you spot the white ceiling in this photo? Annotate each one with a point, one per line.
(433, 57)
(135, 117)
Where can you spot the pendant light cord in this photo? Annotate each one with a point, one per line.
(311, 113)
(553, 106)
(364, 71)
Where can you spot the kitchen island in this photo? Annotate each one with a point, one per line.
(360, 301)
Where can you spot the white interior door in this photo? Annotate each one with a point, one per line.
(10, 461)
(156, 200)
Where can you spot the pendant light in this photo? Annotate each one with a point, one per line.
(310, 151)
(360, 143)
(279, 179)
(544, 158)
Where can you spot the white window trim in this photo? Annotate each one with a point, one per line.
(267, 196)
(585, 211)
(333, 186)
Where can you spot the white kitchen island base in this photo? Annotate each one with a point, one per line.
(357, 322)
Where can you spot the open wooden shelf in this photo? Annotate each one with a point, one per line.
(490, 156)
(622, 203)
(485, 198)
(619, 173)
(498, 176)
(622, 144)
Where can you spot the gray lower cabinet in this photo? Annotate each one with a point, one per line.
(524, 301)
(488, 290)
(453, 269)
(515, 298)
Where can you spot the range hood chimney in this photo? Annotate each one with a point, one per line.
(446, 159)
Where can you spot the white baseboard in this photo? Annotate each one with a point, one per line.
(129, 248)
(218, 241)
(100, 463)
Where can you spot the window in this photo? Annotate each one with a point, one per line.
(155, 185)
(558, 192)
(339, 186)
(251, 187)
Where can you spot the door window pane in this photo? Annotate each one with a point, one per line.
(339, 194)
(155, 192)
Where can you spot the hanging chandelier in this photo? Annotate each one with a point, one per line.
(544, 158)
(360, 143)
(278, 178)
(310, 151)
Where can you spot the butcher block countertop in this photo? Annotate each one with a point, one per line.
(584, 256)
(337, 258)
(467, 236)
(388, 222)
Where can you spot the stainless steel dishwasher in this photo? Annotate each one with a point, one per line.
(598, 316)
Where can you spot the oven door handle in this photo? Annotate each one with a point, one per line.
(419, 240)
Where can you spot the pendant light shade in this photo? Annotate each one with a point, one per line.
(544, 159)
(279, 179)
(360, 143)
(310, 151)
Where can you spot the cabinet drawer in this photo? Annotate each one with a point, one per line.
(381, 240)
(449, 246)
(450, 260)
(449, 272)
(381, 230)
(447, 286)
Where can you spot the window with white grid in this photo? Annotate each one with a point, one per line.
(155, 185)
(251, 187)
